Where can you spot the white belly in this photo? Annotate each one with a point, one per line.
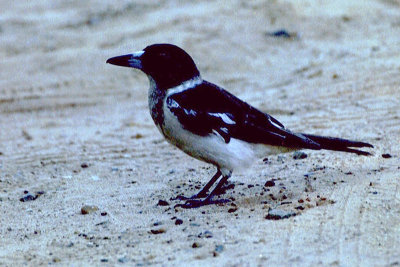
(237, 154)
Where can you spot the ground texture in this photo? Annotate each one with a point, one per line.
(75, 131)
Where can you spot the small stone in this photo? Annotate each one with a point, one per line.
(276, 214)
(386, 156)
(195, 245)
(346, 18)
(269, 183)
(162, 203)
(282, 33)
(84, 165)
(137, 136)
(299, 155)
(232, 209)
(86, 209)
(178, 222)
(104, 260)
(28, 197)
(103, 213)
(157, 231)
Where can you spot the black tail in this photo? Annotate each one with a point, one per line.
(338, 144)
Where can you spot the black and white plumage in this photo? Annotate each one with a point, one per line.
(209, 123)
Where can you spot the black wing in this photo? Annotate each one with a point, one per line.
(208, 109)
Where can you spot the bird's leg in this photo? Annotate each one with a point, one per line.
(218, 187)
(195, 203)
(204, 190)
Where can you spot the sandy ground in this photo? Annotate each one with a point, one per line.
(76, 131)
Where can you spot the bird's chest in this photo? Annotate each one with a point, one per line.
(156, 99)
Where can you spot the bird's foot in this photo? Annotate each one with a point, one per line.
(194, 197)
(195, 203)
(203, 194)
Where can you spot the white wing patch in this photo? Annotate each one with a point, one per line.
(190, 112)
(224, 117)
(275, 124)
(173, 104)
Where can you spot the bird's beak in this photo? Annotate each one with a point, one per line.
(131, 60)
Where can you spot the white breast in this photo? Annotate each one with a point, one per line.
(237, 154)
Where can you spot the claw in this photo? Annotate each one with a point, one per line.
(196, 203)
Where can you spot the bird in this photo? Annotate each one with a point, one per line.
(211, 124)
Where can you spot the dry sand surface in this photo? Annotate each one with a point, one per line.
(76, 131)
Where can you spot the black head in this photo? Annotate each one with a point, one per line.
(168, 65)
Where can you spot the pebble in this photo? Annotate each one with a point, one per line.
(157, 231)
(27, 197)
(386, 156)
(269, 183)
(162, 203)
(282, 33)
(30, 197)
(232, 209)
(299, 155)
(86, 209)
(196, 245)
(276, 214)
(84, 165)
(178, 222)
